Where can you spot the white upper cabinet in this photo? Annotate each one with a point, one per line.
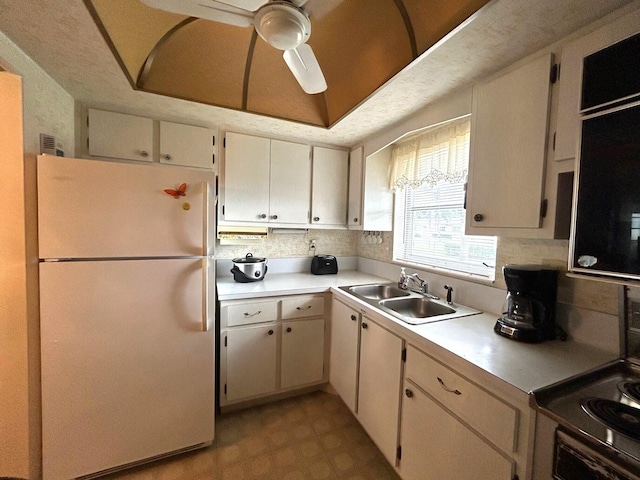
(354, 204)
(128, 137)
(508, 149)
(186, 145)
(329, 187)
(246, 178)
(266, 181)
(116, 135)
(290, 182)
(568, 118)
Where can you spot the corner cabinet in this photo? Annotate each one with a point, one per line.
(329, 187)
(129, 137)
(265, 181)
(271, 346)
(507, 159)
(366, 370)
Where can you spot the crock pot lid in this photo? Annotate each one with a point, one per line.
(249, 258)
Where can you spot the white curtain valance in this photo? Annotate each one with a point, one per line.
(440, 153)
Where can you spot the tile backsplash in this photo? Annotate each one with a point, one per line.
(587, 294)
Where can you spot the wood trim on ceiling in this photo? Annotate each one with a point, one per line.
(409, 26)
(148, 63)
(247, 70)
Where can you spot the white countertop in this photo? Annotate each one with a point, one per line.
(462, 343)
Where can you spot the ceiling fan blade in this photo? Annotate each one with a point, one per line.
(303, 64)
(207, 9)
(250, 5)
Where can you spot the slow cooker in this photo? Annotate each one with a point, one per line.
(249, 268)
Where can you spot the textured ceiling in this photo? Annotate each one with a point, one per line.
(359, 44)
(64, 40)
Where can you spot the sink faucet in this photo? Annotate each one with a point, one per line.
(422, 285)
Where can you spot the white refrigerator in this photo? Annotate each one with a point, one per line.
(126, 313)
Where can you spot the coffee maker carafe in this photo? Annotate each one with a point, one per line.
(529, 309)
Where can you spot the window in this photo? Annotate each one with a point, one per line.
(429, 176)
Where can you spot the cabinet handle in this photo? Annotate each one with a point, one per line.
(364, 325)
(478, 217)
(274, 217)
(353, 317)
(264, 215)
(247, 314)
(288, 329)
(167, 157)
(304, 308)
(270, 332)
(457, 392)
(144, 153)
(316, 219)
(408, 393)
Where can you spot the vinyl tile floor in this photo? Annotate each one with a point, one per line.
(313, 436)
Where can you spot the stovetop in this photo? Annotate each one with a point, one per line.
(580, 403)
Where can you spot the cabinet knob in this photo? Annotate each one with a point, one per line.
(353, 317)
(408, 393)
(144, 153)
(270, 332)
(167, 157)
(355, 220)
(316, 219)
(264, 215)
(478, 217)
(274, 217)
(364, 325)
(288, 329)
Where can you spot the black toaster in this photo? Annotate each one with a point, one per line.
(324, 264)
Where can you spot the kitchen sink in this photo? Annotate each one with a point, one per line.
(411, 307)
(417, 307)
(379, 292)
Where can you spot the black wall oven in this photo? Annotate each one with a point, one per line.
(605, 237)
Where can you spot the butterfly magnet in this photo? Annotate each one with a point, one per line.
(179, 192)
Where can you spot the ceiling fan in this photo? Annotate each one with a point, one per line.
(283, 24)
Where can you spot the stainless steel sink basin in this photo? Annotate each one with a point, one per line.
(378, 292)
(417, 307)
(410, 307)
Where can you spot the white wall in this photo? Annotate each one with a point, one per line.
(47, 107)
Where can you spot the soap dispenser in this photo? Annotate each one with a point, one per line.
(403, 280)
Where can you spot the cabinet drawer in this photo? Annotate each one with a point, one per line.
(302, 306)
(492, 418)
(254, 312)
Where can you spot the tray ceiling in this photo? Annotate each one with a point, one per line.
(360, 45)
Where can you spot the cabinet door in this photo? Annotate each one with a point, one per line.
(435, 445)
(329, 186)
(343, 366)
(508, 146)
(354, 207)
(302, 358)
(379, 386)
(251, 361)
(246, 178)
(115, 135)
(377, 206)
(186, 145)
(290, 183)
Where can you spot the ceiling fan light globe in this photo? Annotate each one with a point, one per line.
(284, 27)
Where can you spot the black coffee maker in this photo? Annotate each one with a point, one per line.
(529, 311)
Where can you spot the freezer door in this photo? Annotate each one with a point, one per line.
(127, 362)
(95, 209)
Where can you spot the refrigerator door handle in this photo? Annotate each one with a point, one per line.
(205, 294)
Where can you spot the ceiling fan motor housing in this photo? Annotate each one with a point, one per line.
(282, 25)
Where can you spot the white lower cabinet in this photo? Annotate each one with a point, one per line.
(270, 346)
(251, 361)
(366, 371)
(436, 445)
(380, 376)
(345, 345)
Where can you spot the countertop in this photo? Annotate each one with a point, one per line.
(462, 343)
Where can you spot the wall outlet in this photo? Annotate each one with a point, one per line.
(312, 245)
